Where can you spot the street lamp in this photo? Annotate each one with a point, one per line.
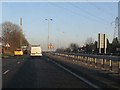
(48, 32)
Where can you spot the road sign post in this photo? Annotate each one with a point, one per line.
(102, 42)
(7, 45)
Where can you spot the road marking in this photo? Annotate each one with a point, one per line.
(48, 59)
(18, 62)
(6, 71)
(79, 77)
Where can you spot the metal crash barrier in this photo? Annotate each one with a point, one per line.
(103, 62)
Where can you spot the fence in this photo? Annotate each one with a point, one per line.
(104, 62)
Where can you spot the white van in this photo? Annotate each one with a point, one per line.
(35, 50)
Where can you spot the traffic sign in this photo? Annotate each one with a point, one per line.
(7, 45)
(50, 46)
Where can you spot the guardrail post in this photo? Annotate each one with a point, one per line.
(79, 58)
(76, 57)
(73, 57)
(90, 60)
(86, 59)
(118, 67)
(102, 62)
(95, 62)
(65, 55)
(105, 60)
(110, 65)
(82, 58)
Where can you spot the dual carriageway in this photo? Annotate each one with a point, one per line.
(56, 70)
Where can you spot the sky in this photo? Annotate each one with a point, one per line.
(73, 22)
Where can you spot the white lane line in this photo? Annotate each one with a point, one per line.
(79, 77)
(18, 62)
(6, 71)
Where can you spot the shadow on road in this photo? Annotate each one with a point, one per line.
(24, 77)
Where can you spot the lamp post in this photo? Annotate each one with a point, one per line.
(48, 43)
(20, 32)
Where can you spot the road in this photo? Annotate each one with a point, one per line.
(38, 72)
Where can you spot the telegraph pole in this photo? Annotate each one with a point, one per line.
(117, 29)
(20, 32)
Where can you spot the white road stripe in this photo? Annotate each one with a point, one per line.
(79, 77)
(6, 71)
(18, 62)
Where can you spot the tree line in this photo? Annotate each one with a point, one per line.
(12, 35)
(91, 47)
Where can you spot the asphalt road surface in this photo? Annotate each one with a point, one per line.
(38, 72)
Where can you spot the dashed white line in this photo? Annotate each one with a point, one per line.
(18, 62)
(6, 71)
(79, 77)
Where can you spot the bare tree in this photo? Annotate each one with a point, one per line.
(89, 41)
(11, 34)
(89, 45)
(74, 47)
(60, 50)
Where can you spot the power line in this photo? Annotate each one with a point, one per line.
(103, 10)
(77, 13)
(84, 11)
(68, 10)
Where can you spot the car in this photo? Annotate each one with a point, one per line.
(18, 52)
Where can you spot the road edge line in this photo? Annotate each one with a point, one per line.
(74, 74)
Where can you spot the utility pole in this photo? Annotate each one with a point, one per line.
(48, 43)
(20, 32)
(119, 22)
(117, 29)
